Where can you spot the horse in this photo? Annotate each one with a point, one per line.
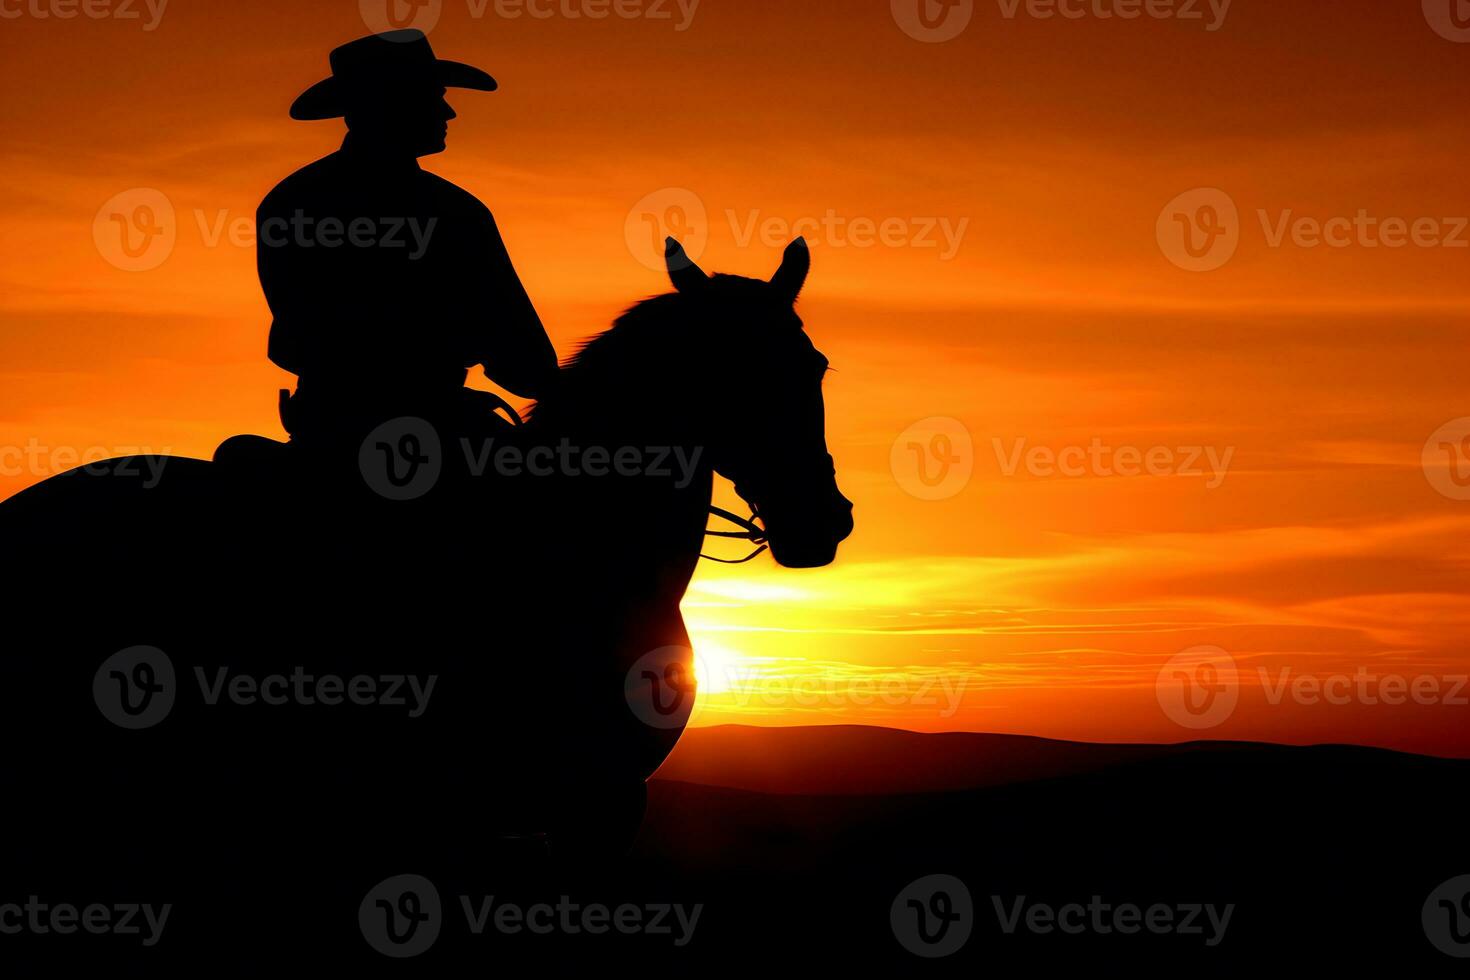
(468, 640)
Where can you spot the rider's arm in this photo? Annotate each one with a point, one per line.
(283, 293)
(513, 345)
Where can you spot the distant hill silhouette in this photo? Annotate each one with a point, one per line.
(820, 759)
(1328, 853)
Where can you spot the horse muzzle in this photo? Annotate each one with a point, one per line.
(807, 537)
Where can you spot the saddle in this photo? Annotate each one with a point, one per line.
(481, 414)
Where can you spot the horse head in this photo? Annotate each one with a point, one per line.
(770, 439)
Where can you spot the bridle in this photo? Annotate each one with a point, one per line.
(750, 531)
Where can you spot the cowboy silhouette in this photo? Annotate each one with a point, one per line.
(386, 282)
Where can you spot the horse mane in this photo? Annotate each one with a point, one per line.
(637, 325)
(646, 347)
(641, 344)
(610, 356)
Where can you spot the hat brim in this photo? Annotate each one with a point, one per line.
(329, 98)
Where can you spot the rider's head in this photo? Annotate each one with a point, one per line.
(391, 88)
(412, 118)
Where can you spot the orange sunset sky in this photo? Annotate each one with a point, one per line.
(1023, 173)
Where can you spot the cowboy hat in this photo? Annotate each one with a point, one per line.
(381, 62)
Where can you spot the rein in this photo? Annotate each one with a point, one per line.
(750, 531)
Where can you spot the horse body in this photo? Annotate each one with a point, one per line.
(497, 627)
(527, 608)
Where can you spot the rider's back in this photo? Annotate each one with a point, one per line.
(374, 271)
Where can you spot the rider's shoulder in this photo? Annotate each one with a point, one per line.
(304, 183)
(459, 199)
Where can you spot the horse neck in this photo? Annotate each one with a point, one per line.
(623, 389)
(590, 412)
(615, 403)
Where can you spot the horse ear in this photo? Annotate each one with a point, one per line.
(795, 265)
(685, 275)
